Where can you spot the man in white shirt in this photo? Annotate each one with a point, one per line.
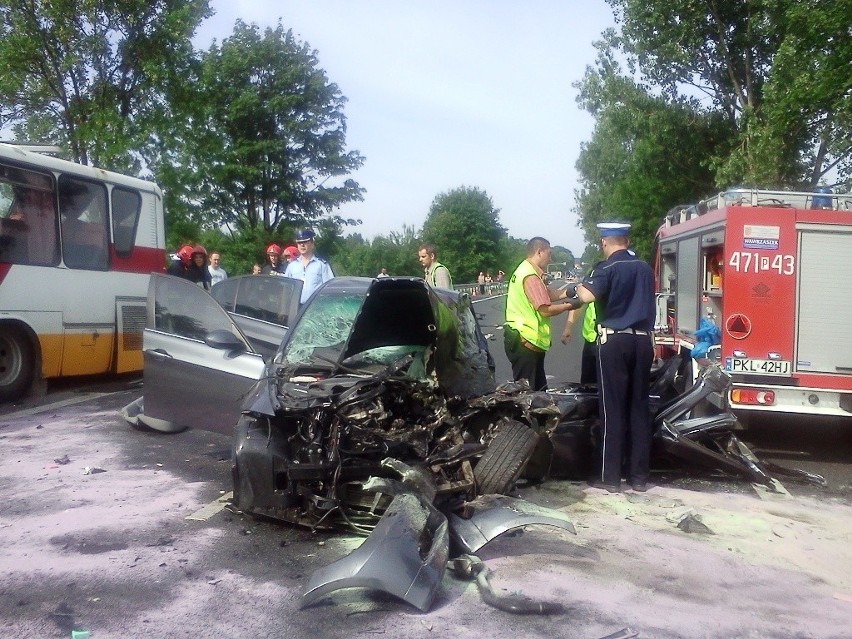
(309, 268)
(217, 273)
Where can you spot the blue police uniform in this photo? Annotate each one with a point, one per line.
(623, 286)
(312, 275)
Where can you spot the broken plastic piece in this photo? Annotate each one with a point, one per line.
(405, 556)
(494, 515)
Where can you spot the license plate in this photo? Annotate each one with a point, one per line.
(757, 366)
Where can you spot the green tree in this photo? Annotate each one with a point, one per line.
(776, 70)
(807, 121)
(646, 153)
(94, 76)
(397, 252)
(464, 227)
(264, 144)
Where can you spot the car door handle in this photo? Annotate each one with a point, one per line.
(159, 353)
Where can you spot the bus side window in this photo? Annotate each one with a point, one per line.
(28, 233)
(13, 228)
(82, 208)
(126, 206)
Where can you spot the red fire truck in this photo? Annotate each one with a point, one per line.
(773, 271)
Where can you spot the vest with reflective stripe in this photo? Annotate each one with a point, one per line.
(520, 315)
(590, 328)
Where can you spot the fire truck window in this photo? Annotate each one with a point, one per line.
(82, 208)
(27, 218)
(126, 206)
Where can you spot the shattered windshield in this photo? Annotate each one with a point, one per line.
(321, 334)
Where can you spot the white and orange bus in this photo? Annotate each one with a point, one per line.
(77, 245)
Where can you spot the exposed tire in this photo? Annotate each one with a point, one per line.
(507, 454)
(17, 363)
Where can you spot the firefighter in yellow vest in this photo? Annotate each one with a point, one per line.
(529, 307)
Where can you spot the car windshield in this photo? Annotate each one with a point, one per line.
(357, 326)
(321, 334)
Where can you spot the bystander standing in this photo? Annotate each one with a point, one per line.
(435, 273)
(217, 273)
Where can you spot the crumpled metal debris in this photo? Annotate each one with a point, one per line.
(406, 553)
(471, 567)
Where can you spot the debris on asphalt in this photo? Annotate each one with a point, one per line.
(92, 470)
(624, 633)
(471, 567)
(693, 524)
(62, 460)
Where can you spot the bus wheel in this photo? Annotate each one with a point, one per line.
(16, 363)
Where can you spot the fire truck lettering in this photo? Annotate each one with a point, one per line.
(744, 262)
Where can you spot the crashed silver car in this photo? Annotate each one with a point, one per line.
(378, 412)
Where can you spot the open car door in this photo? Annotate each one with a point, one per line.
(263, 306)
(198, 364)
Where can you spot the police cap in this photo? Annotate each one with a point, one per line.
(305, 235)
(613, 229)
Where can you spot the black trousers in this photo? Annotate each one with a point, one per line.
(624, 368)
(526, 364)
(589, 363)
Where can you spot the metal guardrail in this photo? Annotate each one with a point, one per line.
(479, 290)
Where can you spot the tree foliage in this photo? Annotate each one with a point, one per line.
(645, 155)
(465, 228)
(93, 76)
(745, 57)
(714, 94)
(265, 139)
(397, 252)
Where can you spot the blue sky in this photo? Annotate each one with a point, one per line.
(450, 93)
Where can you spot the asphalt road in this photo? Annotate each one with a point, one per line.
(95, 535)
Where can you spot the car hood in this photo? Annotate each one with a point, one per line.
(357, 326)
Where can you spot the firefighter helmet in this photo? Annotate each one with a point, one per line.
(273, 249)
(185, 253)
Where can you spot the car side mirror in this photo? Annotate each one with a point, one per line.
(224, 340)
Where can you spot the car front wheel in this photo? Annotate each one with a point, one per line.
(507, 454)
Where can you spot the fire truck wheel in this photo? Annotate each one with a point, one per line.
(16, 363)
(503, 462)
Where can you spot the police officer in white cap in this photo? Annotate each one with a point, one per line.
(312, 270)
(622, 289)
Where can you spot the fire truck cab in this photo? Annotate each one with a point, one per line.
(772, 270)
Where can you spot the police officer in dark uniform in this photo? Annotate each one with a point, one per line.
(622, 289)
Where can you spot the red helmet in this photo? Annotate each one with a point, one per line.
(291, 252)
(185, 253)
(199, 249)
(273, 249)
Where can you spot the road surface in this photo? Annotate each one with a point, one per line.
(126, 533)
